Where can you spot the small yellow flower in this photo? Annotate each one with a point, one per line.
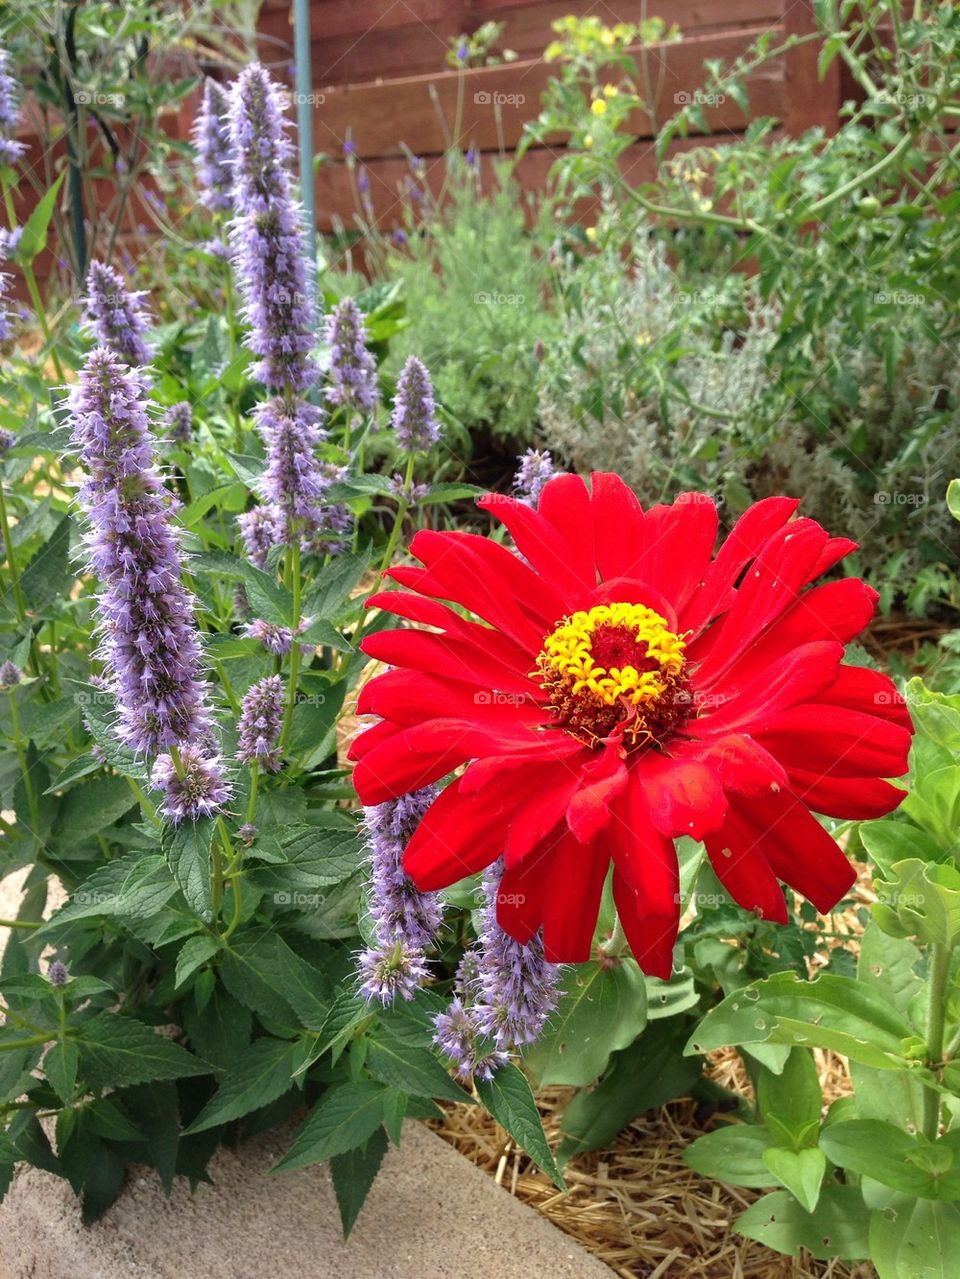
(588, 141)
(591, 234)
(644, 338)
(607, 38)
(598, 106)
(610, 90)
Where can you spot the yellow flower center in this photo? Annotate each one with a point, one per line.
(614, 665)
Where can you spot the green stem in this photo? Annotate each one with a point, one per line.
(21, 923)
(11, 560)
(252, 801)
(41, 313)
(936, 1020)
(145, 803)
(24, 768)
(35, 1041)
(861, 179)
(617, 942)
(295, 646)
(402, 508)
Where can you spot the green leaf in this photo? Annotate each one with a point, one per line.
(346, 1116)
(413, 1070)
(187, 850)
(331, 591)
(312, 858)
(828, 1012)
(733, 1154)
(262, 1074)
(195, 951)
(60, 1067)
(138, 885)
(915, 1239)
(87, 810)
(953, 498)
(800, 1171)
(450, 493)
(793, 1098)
(353, 1173)
(601, 1009)
(116, 1050)
(34, 238)
(920, 899)
(268, 600)
(508, 1098)
(904, 1162)
(838, 1228)
(46, 578)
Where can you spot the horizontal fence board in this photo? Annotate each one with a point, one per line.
(419, 111)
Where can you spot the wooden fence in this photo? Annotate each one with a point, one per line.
(383, 85)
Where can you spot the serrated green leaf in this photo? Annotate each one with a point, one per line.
(353, 1173)
(346, 1116)
(194, 952)
(508, 1098)
(414, 1070)
(187, 851)
(115, 1051)
(262, 1074)
(60, 1067)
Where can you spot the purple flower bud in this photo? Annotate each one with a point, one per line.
(353, 373)
(363, 182)
(261, 529)
(211, 137)
(457, 1036)
(405, 921)
(57, 974)
(293, 482)
(10, 675)
(267, 236)
(149, 640)
(261, 718)
(217, 249)
(277, 639)
(10, 149)
(414, 416)
(196, 790)
(7, 440)
(6, 331)
(398, 236)
(116, 316)
(411, 493)
(535, 470)
(247, 833)
(178, 421)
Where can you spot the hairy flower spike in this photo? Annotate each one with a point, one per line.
(405, 921)
(262, 528)
(57, 974)
(178, 422)
(261, 718)
(414, 417)
(211, 137)
(196, 789)
(353, 374)
(276, 639)
(10, 149)
(535, 470)
(267, 236)
(458, 1035)
(116, 316)
(149, 641)
(10, 675)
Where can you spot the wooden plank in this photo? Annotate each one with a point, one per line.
(499, 101)
(809, 102)
(337, 201)
(337, 18)
(379, 55)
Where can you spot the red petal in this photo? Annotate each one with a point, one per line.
(736, 853)
(679, 546)
(565, 504)
(406, 696)
(849, 798)
(859, 688)
(829, 739)
(683, 795)
(803, 674)
(539, 543)
(741, 764)
(373, 736)
(599, 783)
(520, 896)
(646, 884)
(747, 537)
(459, 835)
(572, 900)
(449, 656)
(618, 526)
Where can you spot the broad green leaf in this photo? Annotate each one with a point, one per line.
(915, 1239)
(347, 1115)
(60, 1067)
(268, 600)
(733, 1154)
(830, 1012)
(838, 1228)
(353, 1173)
(312, 858)
(800, 1171)
(138, 885)
(887, 1154)
(508, 1098)
(261, 1075)
(115, 1051)
(92, 808)
(187, 850)
(792, 1098)
(331, 592)
(194, 952)
(414, 1070)
(46, 578)
(601, 1009)
(920, 899)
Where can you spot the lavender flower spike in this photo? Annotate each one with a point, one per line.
(405, 921)
(267, 236)
(517, 989)
(535, 469)
(457, 1036)
(261, 718)
(353, 373)
(196, 789)
(414, 417)
(116, 316)
(178, 422)
(10, 149)
(211, 137)
(148, 638)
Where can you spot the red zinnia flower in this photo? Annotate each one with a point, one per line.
(623, 688)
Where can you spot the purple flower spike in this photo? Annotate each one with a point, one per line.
(277, 640)
(293, 482)
(6, 324)
(261, 529)
(10, 149)
(211, 137)
(7, 440)
(116, 316)
(178, 422)
(148, 637)
(414, 417)
(10, 675)
(516, 989)
(267, 236)
(457, 1036)
(535, 469)
(405, 921)
(353, 373)
(200, 791)
(57, 974)
(261, 718)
